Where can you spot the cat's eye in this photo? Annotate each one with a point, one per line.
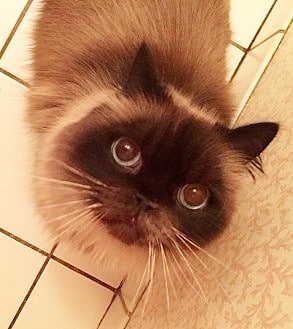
(193, 196)
(126, 153)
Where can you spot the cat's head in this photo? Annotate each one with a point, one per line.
(141, 166)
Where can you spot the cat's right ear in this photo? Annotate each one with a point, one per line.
(251, 140)
(142, 77)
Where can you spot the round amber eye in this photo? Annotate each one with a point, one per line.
(126, 152)
(193, 196)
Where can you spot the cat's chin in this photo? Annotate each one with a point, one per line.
(129, 234)
(103, 250)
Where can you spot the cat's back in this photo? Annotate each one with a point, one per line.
(187, 38)
(183, 27)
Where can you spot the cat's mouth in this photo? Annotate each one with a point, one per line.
(128, 229)
(128, 220)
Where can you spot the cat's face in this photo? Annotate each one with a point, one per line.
(161, 170)
(144, 171)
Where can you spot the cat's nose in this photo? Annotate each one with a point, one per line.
(145, 204)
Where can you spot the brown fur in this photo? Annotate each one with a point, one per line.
(75, 42)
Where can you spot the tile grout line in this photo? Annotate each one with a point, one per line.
(58, 260)
(267, 38)
(15, 27)
(21, 241)
(243, 49)
(253, 40)
(83, 273)
(35, 282)
(264, 71)
(124, 305)
(136, 305)
(114, 297)
(14, 77)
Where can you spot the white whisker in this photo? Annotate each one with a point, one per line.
(179, 279)
(184, 275)
(151, 277)
(192, 272)
(81, 174)
(62, 182)
(54, 205)
(178, 233)
(68, 226)
(70, 190)
(169, 274)
(94, 219)
(93, 206)
(174, 268)
(207, 269)
(143, 275)
(165, 276)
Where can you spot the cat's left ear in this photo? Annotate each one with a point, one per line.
(252, 139)
(142, 76)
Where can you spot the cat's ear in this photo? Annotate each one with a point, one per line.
(252, 139)
(142, 76)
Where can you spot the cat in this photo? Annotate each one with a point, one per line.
(131, 111)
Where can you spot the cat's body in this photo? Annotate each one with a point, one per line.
(153, 72)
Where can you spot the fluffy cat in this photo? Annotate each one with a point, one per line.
(130, 109)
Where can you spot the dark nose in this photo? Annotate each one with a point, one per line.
(145, 204)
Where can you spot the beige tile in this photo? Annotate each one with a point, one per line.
(276, 104)
(16, 208)
(116, 317)
(246, 16)
(17, 56)
(251, 70)
(279, 19)
(66, 300)
(234, 56)
(9, 13)
(87, 264)
(19, 266)
(258, 58)
(133, 290)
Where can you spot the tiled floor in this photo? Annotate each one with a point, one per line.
(56, 290)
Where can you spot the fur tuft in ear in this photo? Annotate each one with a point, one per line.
(142, 76)
(252, 139)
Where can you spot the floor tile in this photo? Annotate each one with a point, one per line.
(16, 58)
(9, 13)
(115, 318)
(16, 211)
(251, 70)
(279, 19)
(246, 17)
(19, 266)
(63, 299)
(85, 263)
(259, 57)
(234, 56)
